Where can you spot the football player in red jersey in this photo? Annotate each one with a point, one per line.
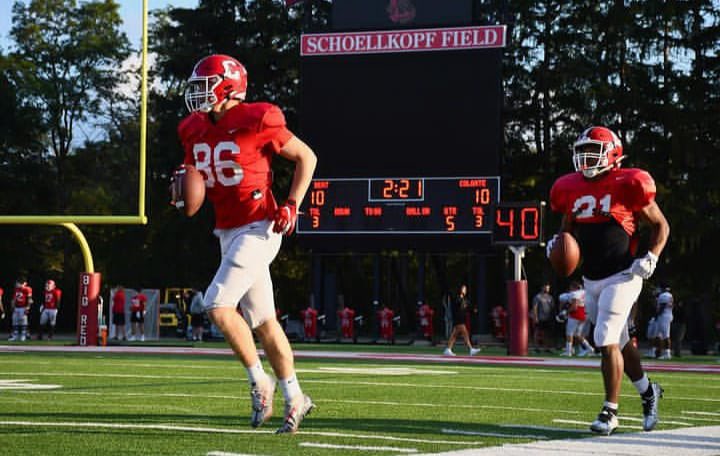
(602, 206)
(137, 317)
(232, 143)
(21, 302)
(49, 308)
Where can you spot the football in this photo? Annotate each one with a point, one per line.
(192, 191)
(565, 254)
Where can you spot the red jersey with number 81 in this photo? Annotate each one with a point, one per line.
(234, 156)
(604, 214)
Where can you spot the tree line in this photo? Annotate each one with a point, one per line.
(69, 133)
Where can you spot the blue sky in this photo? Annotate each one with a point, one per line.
(130, 10)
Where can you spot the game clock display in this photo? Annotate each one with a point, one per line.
(400, 205)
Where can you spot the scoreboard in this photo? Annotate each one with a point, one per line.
(406, 125)
(400, 205)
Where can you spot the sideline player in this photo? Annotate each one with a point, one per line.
(663, 319)
(573, 303)
(602, 205)
(21, 301)
(232, 143)
(49, 309)
(137, 317)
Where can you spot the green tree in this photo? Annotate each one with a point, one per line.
(66, 62)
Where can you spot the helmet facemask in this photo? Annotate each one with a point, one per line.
(200, 93)
(591, 157)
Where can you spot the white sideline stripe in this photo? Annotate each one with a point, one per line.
(587, 424)
(664, 421)
(351, 383)
(423, 404)
(494, 434)
(366, 356)
(225, 453)
(542, 428)
(168, 427)
(357, 447)
(690, 412)
(488, 388)
(699, 441)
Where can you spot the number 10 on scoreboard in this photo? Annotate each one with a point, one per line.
(518, 223)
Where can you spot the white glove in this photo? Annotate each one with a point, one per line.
(550, 245)
(42, 308)
(645, 266)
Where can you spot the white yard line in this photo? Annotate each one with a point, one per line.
(225, 453)
(690, 412)
(662, 420)
(587, 424)
(357, 447)
(351, 383)
(542, 428)
(494, 434)
(444, 405)
(211, 430)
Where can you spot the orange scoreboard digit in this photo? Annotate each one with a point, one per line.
(518, 223)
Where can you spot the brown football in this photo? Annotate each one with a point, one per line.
(565, 254)
(193, 190)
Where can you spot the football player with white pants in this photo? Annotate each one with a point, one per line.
(663, 320)
(232, 144)
(602, 206)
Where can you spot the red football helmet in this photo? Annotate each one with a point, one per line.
(50, 285)
(597, 150)
(214, 79)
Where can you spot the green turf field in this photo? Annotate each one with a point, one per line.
(113, 404)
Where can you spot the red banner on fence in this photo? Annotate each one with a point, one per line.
(438, 39)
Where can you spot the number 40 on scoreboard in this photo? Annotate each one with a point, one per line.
(518, 223)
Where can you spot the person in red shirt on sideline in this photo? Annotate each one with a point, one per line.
(49, 309)
(118, 313)
(137, 317)
(232, 143)
(20, 303)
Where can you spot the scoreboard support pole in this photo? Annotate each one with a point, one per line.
(517, 296)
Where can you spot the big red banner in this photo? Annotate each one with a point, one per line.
(437, 39)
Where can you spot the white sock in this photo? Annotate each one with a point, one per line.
(586, 345)
(290, 387)
(255, 373)
(610, 405)
(568, 347)
(642, 385)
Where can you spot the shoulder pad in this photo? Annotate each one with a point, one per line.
(558, 192)
(641, 186)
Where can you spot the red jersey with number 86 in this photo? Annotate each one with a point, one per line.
(234, 156)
